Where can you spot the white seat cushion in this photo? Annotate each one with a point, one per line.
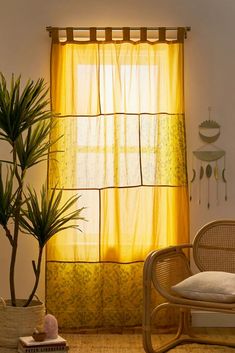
(212, 286)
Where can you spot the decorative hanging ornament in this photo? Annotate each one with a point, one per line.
(208, 156)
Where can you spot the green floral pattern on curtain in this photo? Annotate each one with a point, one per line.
(98, 295)
(103, 294)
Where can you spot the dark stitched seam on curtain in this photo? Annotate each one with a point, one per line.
(140, 155)
(116, 113)
(120, 187)
(97, 262)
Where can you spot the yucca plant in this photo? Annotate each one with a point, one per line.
(25, 124)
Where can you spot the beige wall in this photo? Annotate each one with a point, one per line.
(209, 75)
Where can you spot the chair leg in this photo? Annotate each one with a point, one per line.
(176, 340)
(181, 324)
(187, 323)
(184, 335)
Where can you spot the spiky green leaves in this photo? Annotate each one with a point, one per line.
(48, 217)
(25, 120)
(7, 196)
(21, 110)
(33, 147)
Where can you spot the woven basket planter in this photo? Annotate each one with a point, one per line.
(19, 321)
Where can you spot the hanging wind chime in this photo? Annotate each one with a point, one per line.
(208, 157)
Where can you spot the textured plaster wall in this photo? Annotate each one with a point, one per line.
(209, 77)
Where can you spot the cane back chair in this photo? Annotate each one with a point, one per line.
(213, 249)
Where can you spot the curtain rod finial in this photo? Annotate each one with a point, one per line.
(187, 29)
(49, 29)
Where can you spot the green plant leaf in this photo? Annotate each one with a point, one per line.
(33, 148)
(48, 217)
(7, 196)
(19, 111)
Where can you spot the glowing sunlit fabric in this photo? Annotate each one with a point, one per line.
(123, 149)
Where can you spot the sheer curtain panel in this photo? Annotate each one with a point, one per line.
(120, 119)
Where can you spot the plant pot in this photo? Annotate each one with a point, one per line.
(17, 321)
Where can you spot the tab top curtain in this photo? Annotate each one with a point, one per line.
(122, 148)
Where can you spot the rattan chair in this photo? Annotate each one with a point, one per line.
(213, 249)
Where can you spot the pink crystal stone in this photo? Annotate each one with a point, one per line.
(50, 326)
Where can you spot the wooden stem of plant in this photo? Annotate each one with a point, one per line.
(16, 228)
(37, 276)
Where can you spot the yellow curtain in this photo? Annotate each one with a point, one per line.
(123, 149)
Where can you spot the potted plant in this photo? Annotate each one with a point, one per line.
(25, 124)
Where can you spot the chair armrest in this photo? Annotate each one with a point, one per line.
(167, 267)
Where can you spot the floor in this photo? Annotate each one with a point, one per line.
(132, 343)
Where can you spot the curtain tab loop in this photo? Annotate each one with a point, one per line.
(55, 35)
(126, 33)
(93, 34)
(143, 34)
(162, 34)
(180, 34)
(108, 34)
(69, 33)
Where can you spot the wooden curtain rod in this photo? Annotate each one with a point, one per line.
(117, 28)
(50, 29)
(54, 32)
